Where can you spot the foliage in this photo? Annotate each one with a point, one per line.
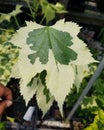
(7, 16)
(91, 103)
(5, 34)
(52, 49)
(38, 8)
(101, 35)
(49, 63)
(48, 10)
(2, 126)
(8, 52)
(98, 122)
(98, 91)
(8, 57)
(97, 95)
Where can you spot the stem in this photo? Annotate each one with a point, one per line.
(16, 22)
(42, 20)
(3, 29)
(29, 6)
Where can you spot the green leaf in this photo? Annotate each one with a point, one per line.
(48, 13)
(98, 122)
(41, 40)
(1, 71)
(7, 16)
(59, 8)
(8, 57)
(2, 126)
(4, 17)
(49, 10)
(99, 87)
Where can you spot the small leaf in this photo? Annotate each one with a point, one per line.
(4, 17)
(49, 13)
(1, 71)
(2, 126)
(49, 10)
(8, 57)
(7, 17)
(59, 8)
(16, 11)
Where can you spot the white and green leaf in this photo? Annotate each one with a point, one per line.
(55, 49)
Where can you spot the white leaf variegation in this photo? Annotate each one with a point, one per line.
(60, 77)
(84, 56)
(81, 72)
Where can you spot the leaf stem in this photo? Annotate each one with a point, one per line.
(42, 20)
(17, 22)
(29, 6)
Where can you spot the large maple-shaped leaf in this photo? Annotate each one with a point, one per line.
(55, 49)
